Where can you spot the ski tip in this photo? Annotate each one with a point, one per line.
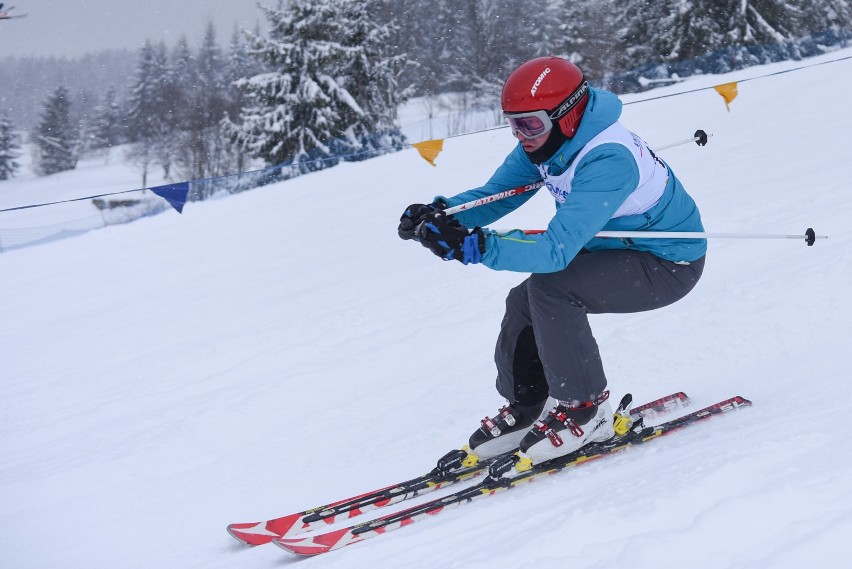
(309, 546)
(252, 534)
(259, 533)
(662, 406)
(301, 546)
(725, 406)
(317, 544)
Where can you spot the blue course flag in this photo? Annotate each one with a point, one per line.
(175, 194)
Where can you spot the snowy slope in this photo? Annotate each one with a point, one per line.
(283, 348)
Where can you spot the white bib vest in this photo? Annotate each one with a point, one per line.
(653, 174)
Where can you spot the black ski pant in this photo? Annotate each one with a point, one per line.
(546, 346)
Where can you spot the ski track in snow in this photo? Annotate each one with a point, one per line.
(282, 348)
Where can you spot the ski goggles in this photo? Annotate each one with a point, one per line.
(537, 123)
(529, 125)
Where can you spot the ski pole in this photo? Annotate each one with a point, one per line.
(700, 138)
(495, 197)
(809, 236)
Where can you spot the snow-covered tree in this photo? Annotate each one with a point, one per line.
(240, 63)
(108, 128)
(370, 75)
(586, 34)
(211, 77)
(150, 113)
(179, 86)
(422, 31)
(203, 151)
(10, 148)
(825, 15)
(56, 136)
(673, 30)
(526, 30)
(333, 82)
(492, 37)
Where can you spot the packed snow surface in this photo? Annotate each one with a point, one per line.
(282, 348)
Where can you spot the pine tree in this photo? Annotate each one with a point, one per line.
(211, 78)
(823, 16)
(9, 148)
(240, 65)
(493, 37)
(586, 33)
(182, 64)
(179, 88)
(526, 30)
(370, 75)
(108, 127)
(203, 152)
(56, 137)
(150, 114)
(424, 32)
(168, 125)
(661, 31)
(319, 99)
(213, 100)
(761, 21)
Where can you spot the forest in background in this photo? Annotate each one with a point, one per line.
(327, 77)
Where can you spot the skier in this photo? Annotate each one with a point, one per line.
(603, 177)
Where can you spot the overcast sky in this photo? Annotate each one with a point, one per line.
(75, 27)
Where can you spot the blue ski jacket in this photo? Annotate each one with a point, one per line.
(603, 179)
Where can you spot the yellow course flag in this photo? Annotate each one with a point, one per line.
(429, 149)
(728, 92)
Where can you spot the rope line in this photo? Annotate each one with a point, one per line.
(411, 145)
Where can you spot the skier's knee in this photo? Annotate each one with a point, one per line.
(548, 284)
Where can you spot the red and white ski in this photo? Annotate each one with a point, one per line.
(447, 472)
(495, 482)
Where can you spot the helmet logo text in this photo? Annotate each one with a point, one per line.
(572, 101)
(538, 81)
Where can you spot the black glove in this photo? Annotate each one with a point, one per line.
(451, 240)
(413, 215)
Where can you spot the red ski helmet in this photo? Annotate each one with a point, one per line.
(549, 84)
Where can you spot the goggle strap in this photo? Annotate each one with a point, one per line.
(572, 101)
